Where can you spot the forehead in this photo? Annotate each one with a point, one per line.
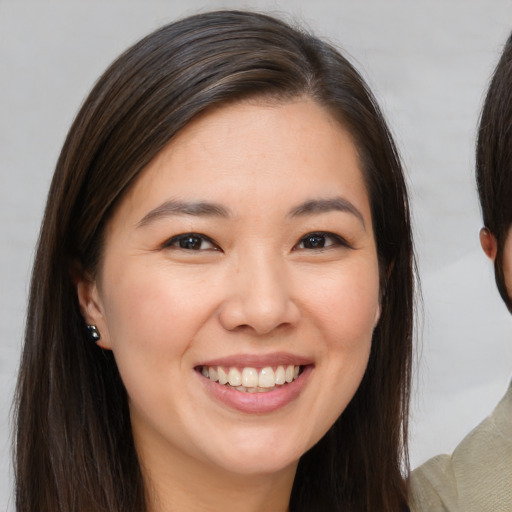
(258, 152)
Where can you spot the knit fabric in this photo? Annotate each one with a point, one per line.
(477, 477)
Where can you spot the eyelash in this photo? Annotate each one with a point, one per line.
(177, 241)
(196, 239)
(336, 241)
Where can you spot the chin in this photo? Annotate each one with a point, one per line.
(259, 459)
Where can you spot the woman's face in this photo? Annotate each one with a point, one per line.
(239, 288)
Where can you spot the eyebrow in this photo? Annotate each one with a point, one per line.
(315, 206)
(193, 208)
(207, 209)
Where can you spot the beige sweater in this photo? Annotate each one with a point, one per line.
(477, 477)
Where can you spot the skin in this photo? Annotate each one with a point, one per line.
(254, 287)
(490, 246)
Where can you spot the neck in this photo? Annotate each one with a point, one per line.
(190, 485)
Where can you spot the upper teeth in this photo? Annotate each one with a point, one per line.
(249, 379)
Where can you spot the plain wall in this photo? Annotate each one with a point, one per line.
(428, 62)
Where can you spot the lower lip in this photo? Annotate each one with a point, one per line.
(258, 403)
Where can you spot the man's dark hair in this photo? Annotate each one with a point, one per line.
(494, 161)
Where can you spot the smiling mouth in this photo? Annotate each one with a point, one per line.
(252, 380)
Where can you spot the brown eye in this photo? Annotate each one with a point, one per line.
(313, 242)
(191, 242)
(320, 241)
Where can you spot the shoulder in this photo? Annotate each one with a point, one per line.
(477, 476)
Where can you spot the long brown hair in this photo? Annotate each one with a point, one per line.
(74, 449)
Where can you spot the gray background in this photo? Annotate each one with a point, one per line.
(428, 61)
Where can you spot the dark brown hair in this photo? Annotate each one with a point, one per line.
(74, 448)
(494, 161)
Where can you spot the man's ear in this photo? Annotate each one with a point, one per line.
(91, 305)
(489, 243)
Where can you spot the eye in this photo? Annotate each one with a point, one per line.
(191, 242)
(320, 240)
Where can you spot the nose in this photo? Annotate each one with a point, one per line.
(258, 297)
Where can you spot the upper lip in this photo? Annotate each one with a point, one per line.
(258, 361)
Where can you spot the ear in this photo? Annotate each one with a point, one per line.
(91, 305)
(489, 243)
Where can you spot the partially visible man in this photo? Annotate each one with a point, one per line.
(477, 477)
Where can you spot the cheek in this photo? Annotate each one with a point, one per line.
(152, 321)
(344, 309)
(149, 313)
(347, 306)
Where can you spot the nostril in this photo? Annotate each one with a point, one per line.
(260, 308)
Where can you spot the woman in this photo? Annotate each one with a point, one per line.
(229, 218)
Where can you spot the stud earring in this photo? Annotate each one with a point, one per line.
(93, 332)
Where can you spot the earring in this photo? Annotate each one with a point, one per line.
(93, 332)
